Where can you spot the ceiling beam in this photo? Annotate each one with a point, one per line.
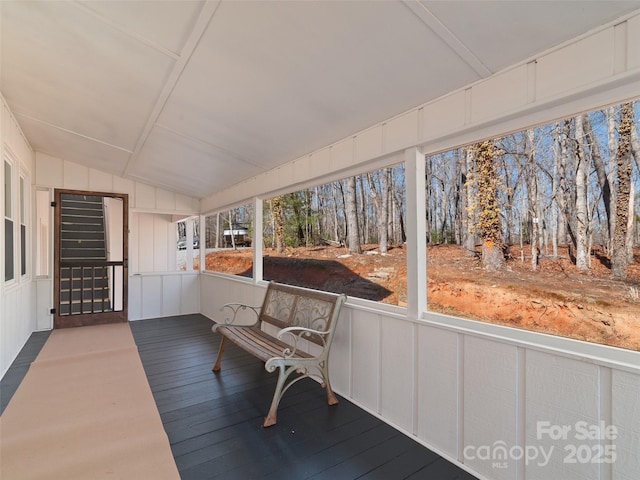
(199, 28)
(431, 21)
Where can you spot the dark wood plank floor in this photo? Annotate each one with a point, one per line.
(214, 421)
(20, 366)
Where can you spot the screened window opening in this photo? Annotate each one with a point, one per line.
(540, 229)
(228, 241)
(188, 244)
(345, 236)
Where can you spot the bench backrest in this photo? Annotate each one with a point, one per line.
(287, 306)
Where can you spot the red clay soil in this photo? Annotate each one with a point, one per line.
(555, 299)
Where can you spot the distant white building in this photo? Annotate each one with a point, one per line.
(241, 236)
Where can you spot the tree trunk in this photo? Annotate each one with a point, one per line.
(384, 214)
(582, 220)
(233, 237)
(381, 204)
(619, 257)
(631, 226)
(489, 212)
(278, 221)
(532, 187)
(468, 214)
(363, 220)
(603, 179)
(353, 235)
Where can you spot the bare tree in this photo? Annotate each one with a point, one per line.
(353, 234)
(381, 203)
(532, 188)
(582, 215)
(604, 180)
(278, 221)
(468, 215)
(489, 223)
(619, 258)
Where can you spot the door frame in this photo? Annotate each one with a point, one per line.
(85, 319)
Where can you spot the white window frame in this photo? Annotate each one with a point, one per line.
(24, 197)
(8, 161)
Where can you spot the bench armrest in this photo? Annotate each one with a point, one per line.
(234, 309)
(298, 333)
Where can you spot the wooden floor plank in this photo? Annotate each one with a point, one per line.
(214, 421)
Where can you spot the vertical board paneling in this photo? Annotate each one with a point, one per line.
(342, 153)
(122, 185)
(145, 197)
(369, 144)
(135, 297)
(44, 303)
(510, 87)
(190, 293)
(165, 200)
(301, 169)
(49, 170)
(366, 359)
(146, 243)
(560, 391)
(633, 43)
(18, 297)
(151, 296)
(207, 298)
(626, 420)
(490, 402)
(183, 204)
(160, 243)
(445, 115)
(76, 177)
(591, 60)
(320, 162)
(100, 181)
(171, 295)
(401, 132)
(340, 357)
(134, 242)
(397, 372)
(438, 388)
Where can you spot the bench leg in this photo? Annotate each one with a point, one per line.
(216, 366)
(331, 398)
(270, 419)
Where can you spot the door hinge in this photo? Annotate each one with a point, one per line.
(53, 310)
(53, 204)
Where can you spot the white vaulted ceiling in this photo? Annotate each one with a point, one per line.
(196, 96)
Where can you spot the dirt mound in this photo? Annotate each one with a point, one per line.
(555, 298)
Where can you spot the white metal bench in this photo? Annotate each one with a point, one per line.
(293, 332)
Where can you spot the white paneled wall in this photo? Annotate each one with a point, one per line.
(17, 319)
(54, 172)
(163, 294)
(457, 390)
(155, 287)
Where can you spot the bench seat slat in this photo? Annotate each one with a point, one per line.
(257, 342)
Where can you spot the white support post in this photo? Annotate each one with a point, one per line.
(416, 233)
(189, 246)
(256, 241)
(202, 242)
